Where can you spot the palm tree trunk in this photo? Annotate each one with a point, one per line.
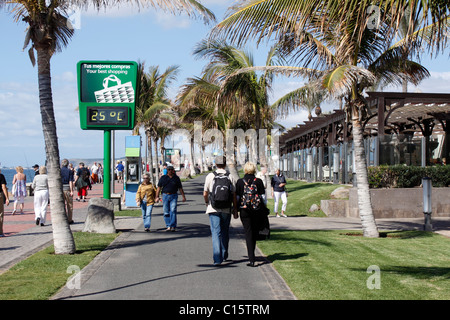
(62, 235)
(364, 200)
(191, 157)
(156, 161)
(150, 155)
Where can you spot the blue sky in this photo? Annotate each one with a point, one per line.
(151, 36)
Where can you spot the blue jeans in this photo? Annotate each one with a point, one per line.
(220, 225)
(146, 214)
(170, 209)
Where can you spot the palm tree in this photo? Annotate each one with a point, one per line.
(198, 99)
(49, 32)
(242, 97)
(308, 97)
(346, 57)
(154, 104)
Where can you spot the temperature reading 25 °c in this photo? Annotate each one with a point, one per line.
(109, 116)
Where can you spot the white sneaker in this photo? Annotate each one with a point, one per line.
(283, 215)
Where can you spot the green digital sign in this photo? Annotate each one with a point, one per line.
(107, 92)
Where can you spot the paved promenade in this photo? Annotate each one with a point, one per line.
(177, 265)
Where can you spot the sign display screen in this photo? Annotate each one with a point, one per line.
(107, 116)
(107, 94)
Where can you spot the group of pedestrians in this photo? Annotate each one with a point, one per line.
(224, 197)
(71, 179)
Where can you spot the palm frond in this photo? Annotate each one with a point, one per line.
(341, 80)
(306, 97)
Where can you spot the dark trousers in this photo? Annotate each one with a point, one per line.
(250, 224)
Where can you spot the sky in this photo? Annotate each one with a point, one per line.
(125, 34)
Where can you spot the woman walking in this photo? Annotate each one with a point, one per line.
(279, 191)
(145, 198)
(40, 187)
(249, 216)
(19, 189)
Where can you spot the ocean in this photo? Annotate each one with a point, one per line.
(9, 175)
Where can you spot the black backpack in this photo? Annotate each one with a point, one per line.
(221, 196)
(85, 174)
(251, 199)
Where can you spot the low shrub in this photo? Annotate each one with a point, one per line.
(400, 176)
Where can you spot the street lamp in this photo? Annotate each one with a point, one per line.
(426, 185)
(309, 166)
(336, 162)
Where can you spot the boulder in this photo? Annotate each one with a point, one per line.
(100, 216)
(340, 193)
(185, 173)
(314, 207)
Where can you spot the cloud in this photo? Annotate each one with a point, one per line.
(436, 83)
(169, 21)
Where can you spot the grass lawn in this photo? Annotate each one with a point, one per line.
(129, 213)
(40, 276)
(332, 265)
(301, 195)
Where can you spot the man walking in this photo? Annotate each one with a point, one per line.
(220, 199)
(169, 185)
(68, 182)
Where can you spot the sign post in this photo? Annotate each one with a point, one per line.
(107, 96)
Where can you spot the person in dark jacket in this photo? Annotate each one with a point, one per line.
(169, 185)
(279, 191)
(249, 217)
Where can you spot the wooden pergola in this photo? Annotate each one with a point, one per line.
(388, 113)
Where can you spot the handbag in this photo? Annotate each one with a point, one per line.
(263, 227)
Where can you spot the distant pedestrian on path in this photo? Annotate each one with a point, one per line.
(4, 199)
(19, 189)
(120, 168)
(36, 169)
(219, 194)
(94, 170)
(40, 187)
(68, 184)
(250, 189)
(82, 182)
(145, 198)
(279, 191)
(169, 185)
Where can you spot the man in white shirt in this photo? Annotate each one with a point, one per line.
(220, 217)
(94, 170)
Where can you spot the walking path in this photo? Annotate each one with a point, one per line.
(177, 265)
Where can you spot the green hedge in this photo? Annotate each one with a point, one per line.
(401, 176)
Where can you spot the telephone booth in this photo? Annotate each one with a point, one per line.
(132, 170)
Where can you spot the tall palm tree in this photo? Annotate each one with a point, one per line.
(244, 97)
(154, 109)
(49, 32)
(154, 103)
(198, 99)
(331, 42)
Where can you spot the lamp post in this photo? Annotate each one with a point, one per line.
(336, 161)
(309, 166)
(426, 185)
(295, 166)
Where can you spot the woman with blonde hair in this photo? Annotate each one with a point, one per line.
(19, 189)
(40, 187)
(249, 215)
(145, 198)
